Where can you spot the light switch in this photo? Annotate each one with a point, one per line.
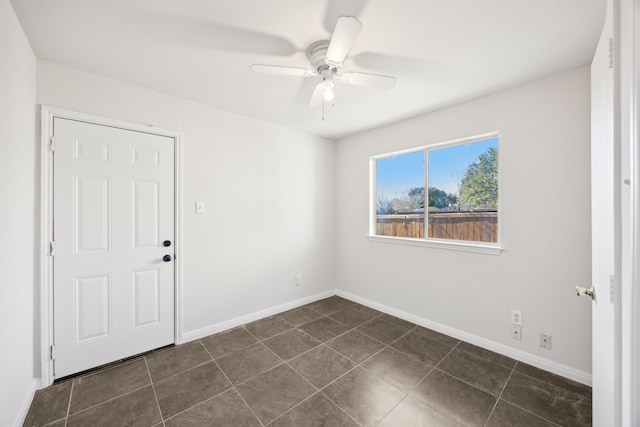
(199, 207)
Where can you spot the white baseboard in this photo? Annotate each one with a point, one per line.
(26, 404)
(232, 323)
(522, 356)
(531, 359)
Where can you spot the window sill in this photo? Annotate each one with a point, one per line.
(491, 249)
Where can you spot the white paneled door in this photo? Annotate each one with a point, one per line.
(113, 269)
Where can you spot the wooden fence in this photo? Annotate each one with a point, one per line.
(474, 226)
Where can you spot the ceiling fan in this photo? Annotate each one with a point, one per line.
(326, 58)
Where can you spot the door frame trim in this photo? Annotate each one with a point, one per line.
(627, 27)
(47, 114)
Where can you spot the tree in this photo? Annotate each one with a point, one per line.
(384, 206)
(410, 201)
(441, 199)
(479, 186)
(414, 200)
(416, 197)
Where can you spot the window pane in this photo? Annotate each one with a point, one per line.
(400, 193)
(463, 192)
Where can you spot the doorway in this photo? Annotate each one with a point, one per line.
(111, 221)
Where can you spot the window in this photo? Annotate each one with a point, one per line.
(460, 204)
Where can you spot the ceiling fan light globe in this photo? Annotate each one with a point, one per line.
(328, 93)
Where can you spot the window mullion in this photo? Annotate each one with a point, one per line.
(426, 194)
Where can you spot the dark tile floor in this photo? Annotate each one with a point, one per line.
(329, 363)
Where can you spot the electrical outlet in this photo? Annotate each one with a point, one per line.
(298, 279)
(516, 317)
(545, 341)
(516, 332)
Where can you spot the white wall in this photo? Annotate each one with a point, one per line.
(17, 216)
(268, 191)
(545, 210)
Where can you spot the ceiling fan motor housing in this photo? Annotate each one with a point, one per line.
(317, 53)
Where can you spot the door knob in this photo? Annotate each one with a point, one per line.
(166, 258)
(584, 291)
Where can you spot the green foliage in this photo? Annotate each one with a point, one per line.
(441, 199)
(478, 191)
(411, 201)
(414, 200)
(479, 187)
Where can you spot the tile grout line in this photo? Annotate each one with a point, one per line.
(186, 370)
(181, 372)
(487, 359)
(532, 413)
(495, 405)
(362, 323)
(339, 407)
(356, 364)
(549, 383)
(153, 389)
(282, 362)
(511, 403)
(430, 339)
(233, 386)
(238, 349)
(272, 336)
(473, 385)
(386, 346)
(110, 400)
(297, 404)
(406, 394)
(305, 352)
(421, 379)
(209, 398)
(66, 419)
(318, 390)
(114, 397)
(517, 406)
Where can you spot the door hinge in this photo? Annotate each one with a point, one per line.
(52, 352)
(611, 52)
(612, 289)
(52, 144)
(52, 248)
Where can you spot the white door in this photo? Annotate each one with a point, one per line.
(113, 198)
(604, 234)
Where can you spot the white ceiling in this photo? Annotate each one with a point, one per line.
(441, 51)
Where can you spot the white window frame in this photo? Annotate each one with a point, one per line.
(458, 245)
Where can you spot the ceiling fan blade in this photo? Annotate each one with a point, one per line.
(276, 69)
(317, 97)
(345, 33)
(377, 81)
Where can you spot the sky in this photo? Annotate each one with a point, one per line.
(447, 165)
